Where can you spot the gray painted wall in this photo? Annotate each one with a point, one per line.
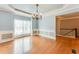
(22, 17)
(6, 21)
(47, 26)
(35, 24)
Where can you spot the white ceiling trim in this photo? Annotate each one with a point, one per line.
(66, 11)
(5, 10)
(53, 12)
(19, 13)
(10, 10)
(62, 10)
(56, 11)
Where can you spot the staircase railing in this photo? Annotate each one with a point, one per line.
(71, 30)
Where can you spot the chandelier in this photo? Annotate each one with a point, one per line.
(37, 15)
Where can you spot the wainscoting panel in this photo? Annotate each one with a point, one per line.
(47, 33)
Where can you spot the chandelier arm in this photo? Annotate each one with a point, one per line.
(37, 15)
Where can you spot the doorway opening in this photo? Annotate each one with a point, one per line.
(68, 25)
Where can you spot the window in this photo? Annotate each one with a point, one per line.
(22, 27)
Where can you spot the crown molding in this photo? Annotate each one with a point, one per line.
(61, 11)
(5, 10)
(57, 10)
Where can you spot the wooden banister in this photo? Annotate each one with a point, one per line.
(71, 30)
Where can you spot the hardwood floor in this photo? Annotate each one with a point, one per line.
(6, 48)
(42, 45)
(62, 45)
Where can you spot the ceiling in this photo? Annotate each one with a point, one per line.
(43, 8)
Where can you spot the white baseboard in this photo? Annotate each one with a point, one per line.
(50, 37)
(43, 35)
